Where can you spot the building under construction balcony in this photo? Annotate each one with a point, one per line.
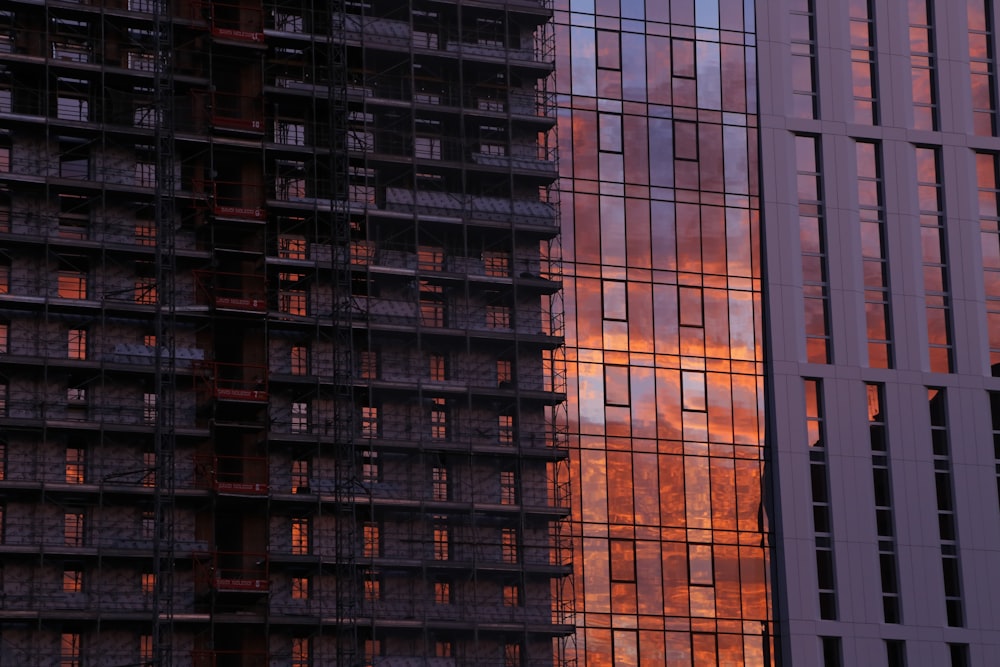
(281, 372)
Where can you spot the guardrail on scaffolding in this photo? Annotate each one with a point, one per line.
(232, 382)
(232, 475)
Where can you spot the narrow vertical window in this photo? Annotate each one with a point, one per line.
(146, 649)
(442, 592)
(511, 655)
(831, 652)
(895, 653)
(505, 372)
(300, 360)
(820, 488)
(988, 181)
(73, 529)
(874, 261)
(508, 545)
(69, 649)
(76, 344)
(505, 424)
(802, 27)
(149, 408)
(440, 489)
(923, 65)
(300, 652)
(437, 369)
(982, 72)
(300, 536)
(372, 545)
(72, 579)
(441, 540)
(76, 463)
(300, 588)
(884, 518)
(863, 63)
(995, 414)
(371, 467)
(300, 476)
(439, 419)
(812, 237)
(300, 417)
(934, 258)
(369, 422)
(508, 487)
(373, 586)
(944, 488)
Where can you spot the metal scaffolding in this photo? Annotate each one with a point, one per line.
(280, 306)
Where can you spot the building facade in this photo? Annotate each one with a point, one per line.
(281, 337)
(658, 155)
(879, 154)
(297, 369)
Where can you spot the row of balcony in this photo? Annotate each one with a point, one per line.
(541, 551)
(393, 485)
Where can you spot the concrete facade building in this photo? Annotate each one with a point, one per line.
(879, 190)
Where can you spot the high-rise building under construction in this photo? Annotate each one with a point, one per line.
(282, 366)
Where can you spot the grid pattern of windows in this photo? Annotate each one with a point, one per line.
(934, 258)
(884, 519)
(982, 68)
(812, 235)
(874, 261)
(820, 486)
(943, 485)
(863, 62)
(923, 65)
(802, 37)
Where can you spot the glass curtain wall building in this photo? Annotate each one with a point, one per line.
(658, 136)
